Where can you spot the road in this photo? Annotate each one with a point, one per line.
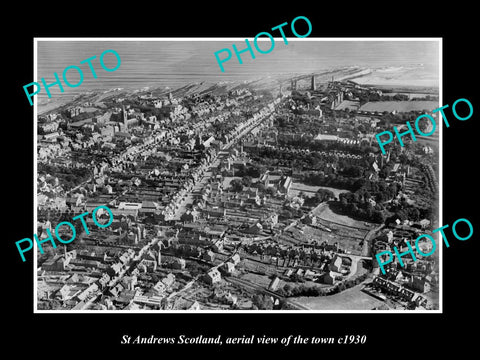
(207, 172)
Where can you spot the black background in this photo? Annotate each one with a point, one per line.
(100, 334)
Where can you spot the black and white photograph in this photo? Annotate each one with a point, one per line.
(289, 181)
(260, 187)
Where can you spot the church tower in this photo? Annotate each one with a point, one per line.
(124, 113)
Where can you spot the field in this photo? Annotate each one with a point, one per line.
(409, 94)
(325, 213)
(350, 299)
(348, 104)
(399, 106)
(348, 232)
(261, 280)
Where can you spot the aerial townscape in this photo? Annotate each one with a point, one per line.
(246, 196)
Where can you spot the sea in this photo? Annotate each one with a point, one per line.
(175, 62)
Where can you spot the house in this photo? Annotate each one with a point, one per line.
(179, 264)
(288, 272)
(116, 290)
(228, 267)
(67, 292)
(270, 221)
(336, 264)
(235, 259)
(129, 282)
(407, 294)
(285, 184)
(88, 292)
(159, 288)
(147, 265)
(168, 280)
(149, 207)
(209, 256)
(310, 219)
(399, 276)
(310, 275)
(189, 216)
(419, 284)
(274, 284)
(104, 280)
(117, 267)
(217, 245)
(424, 223)
(327, 278)
(213, 276)
(226, 298)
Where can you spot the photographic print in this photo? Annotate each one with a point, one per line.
(167, 183)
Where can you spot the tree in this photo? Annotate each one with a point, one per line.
(287, 288)
(236, 185)
(247, 181)
(324, 194)
(369, 211)
(263, 302)
(271, 191)
(378, 217)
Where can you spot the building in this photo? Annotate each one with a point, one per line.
(159, 288)
(57, 263)
(168, 280)
(274, 284)
(419, 284)
(285, 184)
(327, 278)
(228, 267)
(179, 264)
(225, 297)
(310, 219)
(209, 256)
(213, 276)
(147, 265)
(235, 259)
(336, 264)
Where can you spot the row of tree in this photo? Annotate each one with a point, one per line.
(320, 196)
(305, 290)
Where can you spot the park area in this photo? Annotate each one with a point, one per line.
(399, 106)
(323, 212)
(350, 299)
(347, 232)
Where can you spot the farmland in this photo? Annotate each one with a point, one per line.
(399, 106)
(350, 299)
